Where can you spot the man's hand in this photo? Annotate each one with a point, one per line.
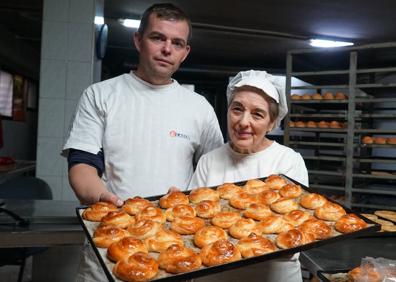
(111, 198)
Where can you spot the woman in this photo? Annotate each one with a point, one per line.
(256, 105)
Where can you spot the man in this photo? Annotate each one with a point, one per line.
(141, 133)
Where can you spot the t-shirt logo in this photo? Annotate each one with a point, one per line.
(173, 133)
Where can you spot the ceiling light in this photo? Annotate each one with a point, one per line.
(329, 43)
(130, 23)
(99, 20)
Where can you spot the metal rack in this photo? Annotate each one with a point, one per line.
(337, 161)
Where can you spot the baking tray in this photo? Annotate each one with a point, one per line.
(107, 266)
(333, 275)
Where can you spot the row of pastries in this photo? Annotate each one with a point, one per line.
(181, 233)
(318, 96)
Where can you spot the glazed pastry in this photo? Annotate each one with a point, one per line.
(255, 245)
(275, 181)
(152, 213)
(391, 140)
(300, 124)
(391, 215)
(228, 190)
(257, 211)
(186, 225)
(330, 211)
(172, 199)
(179, 210)
(290, 191)
(125, 247)
(369, 216)
(98, 210)
(380, 140)
(317, 96)
(297, 217)
(312, 201)
(144, 228)
(179, 259)
(349, 223)
(243, 227)
(135, 205)
(365, 272)
(292, 124)
(311, 124)
(255, 186)
(136, 268)
(268, 197)
(202, 194)
(295, 97)
(320, 229)
(207, 208)
(242, 200)
(293, 238)
(323, 124)
(340, 96)
(284, 205)
(335, 124)
(219, 252)
(118, 218)
(367, 140)
(306, 97)
(163, 239)
(209, 234)
(328, 96)
(225, 219)
(271, 224)
(104, 236)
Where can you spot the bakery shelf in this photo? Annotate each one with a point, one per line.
(316, 144)
(339, 86)
(327, 187)
(379, 116)
(376, 85)
(324, 158)
(325, 172)
(371, 206)
(378, 145)
(378, 192)
(376, 70)
(318, 116)
(314, 73)
(375, 130)
(375, 176)
(375, 100)
(376, 160)
(318, 129)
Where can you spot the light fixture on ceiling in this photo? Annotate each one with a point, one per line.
(130, 23)
(329, 43)
(99, 20)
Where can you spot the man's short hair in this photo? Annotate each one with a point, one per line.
(165, 11)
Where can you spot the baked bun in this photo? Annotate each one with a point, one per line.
(207, 208)
(118, 218)
(292, 124)
(295, 97)
(144, 228)
(186, 225)
(328, 96)
(299, 124)
(349, 223)
(243, 227)
(380, 140)
(135, 205)
(275, 181)
(365, 272)
(202, 194)
(369, 216)
(284, 205)
(152, 213)
(163, 239)
(391, 140)
(311, 124)
(367, 140)
(312, 201)
(270, 224)
(391, 215)
(257, 211)
(255, 186)
(268, 197)
(340, 96)
(209, 234)
(228, 190)
(179, 210)
(317, 96)
(219, 252)
(297, 217)
(335, 124)
(179, 259)
(225, 219)
(125, 247)
(293, 238)
(136, 268)
(255, 245)
(320, 229)
(172, 199)
(330, 211)
(243, 200)
(98, 210)
(323, 124)
(306, 97)
(290, 191)
(104, 236)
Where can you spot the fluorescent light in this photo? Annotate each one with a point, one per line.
(130, 23)
(329, 43)
(99, 20)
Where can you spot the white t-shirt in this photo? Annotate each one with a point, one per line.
(150, 134)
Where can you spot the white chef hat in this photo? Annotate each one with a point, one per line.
(273, 86)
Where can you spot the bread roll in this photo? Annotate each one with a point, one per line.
(335, 124)
(257, 211)
(291, 191)
(104, 236)
(295, 97)
(137, 267)
(340, 96)
(317, 96)
(275, 181)
(320, 229)
(163, 239)
(268, 197)
(208, 235)
(202, 194)
(207, 208)
(312, 201)
(152, 213)
(135, 205)
(172, 199)
(328, 96)
(297, 217)
(179, 259)
(391, 140)
(243, 227)
(380, 140)
(292, 124)
(312, 124)
(225, 219)
(228, 190)
(323, 124)
(365, 272)
(118, 218)
(124, 248)
(349, 223)
(186, 225)
(219, 252)
(144, 228)
(243, 200)
(284, 205)
(330, 211)
(293, 238)
(306, 97)
(271, 224)
(98, 210)
(391, 215)
(299, 124)
(255, 245)
(179, 210)
(255, 186)
(367, 140)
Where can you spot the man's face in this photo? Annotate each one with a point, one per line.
(162, 47)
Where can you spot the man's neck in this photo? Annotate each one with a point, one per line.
(153, 80)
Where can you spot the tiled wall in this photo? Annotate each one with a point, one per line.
(67, 68)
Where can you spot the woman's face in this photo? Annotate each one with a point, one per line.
(248, 122)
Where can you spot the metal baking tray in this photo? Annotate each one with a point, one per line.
(333, 275)
(203, 271)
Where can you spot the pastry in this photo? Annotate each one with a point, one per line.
(299, 124)
(330, 211)
(340, 96)
(225, 219)
(320, 229)
(284, 205)
(144, 228)
(293, 238)
(179, 259)
(367, 140)
(380, 140)
(365, 272)
(172, 199)
(104, 236)
(163, 239)
(219, 252)
(243, 227)
(271, 224)
(295, 97)
(209, 234)
(118, 218)
(98, 210)
(306, 97)
(390, 215)
(335, 124)
(152, 213)
(257, 211)
(292, 124)
(255, 245)
(255, 186)
(135, 205)
(317, 96)
(275, 181)
(125, 247)
(311, 124)
(369, 216)
(349, 223)
(268, 197)
(323, 124)
(203, 193)
(243, 200)
(186, 225)
(136, 268)
(297, 217)
(228, 190)
(179, 210)
(207, 208)
(290, 191)
(328, 96)
(391, 140)
(312, 201)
